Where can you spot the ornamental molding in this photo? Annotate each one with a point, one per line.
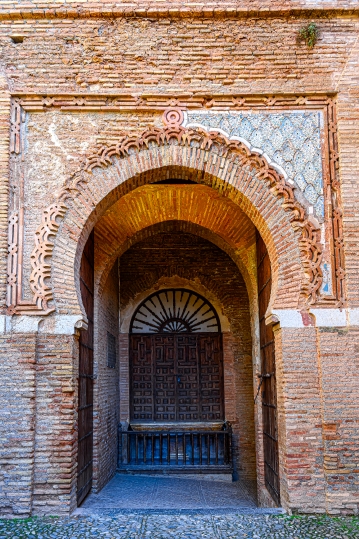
(174, 10)
(175, 133)
(147, 102)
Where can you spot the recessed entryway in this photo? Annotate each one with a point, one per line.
(172, 327)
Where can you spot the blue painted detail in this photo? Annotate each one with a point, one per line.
(291, 139)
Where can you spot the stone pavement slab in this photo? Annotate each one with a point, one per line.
(129, 492)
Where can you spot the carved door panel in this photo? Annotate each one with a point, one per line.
(141, 379)
(211, 365)
(188, 378)
(85, 389)
(164, 367)
(176, 377)
(268, 388)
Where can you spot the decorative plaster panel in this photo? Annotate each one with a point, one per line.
(291, 140)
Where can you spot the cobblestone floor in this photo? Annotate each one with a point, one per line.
(181, 526)
(166, 508)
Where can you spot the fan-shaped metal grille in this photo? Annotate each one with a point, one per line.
(175, 311)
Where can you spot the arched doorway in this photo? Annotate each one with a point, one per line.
(174, 279)
(176, 360)
(154, 321)
(229, 180)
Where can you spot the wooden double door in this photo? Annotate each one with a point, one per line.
(176, 377)
(85, 387)
(268, 375)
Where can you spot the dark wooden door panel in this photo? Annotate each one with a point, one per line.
(176, 377)
(211, 365)
(85, 387)
(188, 378)
(142, 384)
(163, 356)
(269, 392)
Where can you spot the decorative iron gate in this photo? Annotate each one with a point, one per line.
(184, 451)
(85, 393)
(268, 377)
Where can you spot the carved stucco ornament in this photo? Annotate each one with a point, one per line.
(173, 132)
(41, 255)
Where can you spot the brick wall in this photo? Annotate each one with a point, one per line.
(192, 54)
(318, 419)
(38, 427)
(339, 363)
(170, 48)
(106, 385)
(348, 134)
(17, 402)
(55, 470)
(299, 420)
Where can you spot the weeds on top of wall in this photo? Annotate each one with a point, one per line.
(309, 34)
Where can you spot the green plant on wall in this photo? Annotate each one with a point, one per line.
(309, 34)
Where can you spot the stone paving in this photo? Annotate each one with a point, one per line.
(182, 526)
(175, 508)
(148, 493)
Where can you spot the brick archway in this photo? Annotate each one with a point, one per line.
(150, 209)
(207, 270)
(236, 177)
(228, 167)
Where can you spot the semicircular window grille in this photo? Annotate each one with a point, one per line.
(175, 310)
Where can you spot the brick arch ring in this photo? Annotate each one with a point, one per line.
(209, 158)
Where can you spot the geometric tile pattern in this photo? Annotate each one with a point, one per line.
(291, 139)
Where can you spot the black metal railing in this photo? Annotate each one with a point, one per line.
(194, 450)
